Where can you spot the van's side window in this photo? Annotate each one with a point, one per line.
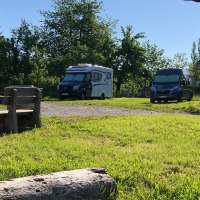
(108, 75)
(96, 76)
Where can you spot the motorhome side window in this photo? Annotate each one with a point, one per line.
(108, 75)
(87, 77)
(96, 76)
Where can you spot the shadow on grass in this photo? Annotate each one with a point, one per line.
(161, 103)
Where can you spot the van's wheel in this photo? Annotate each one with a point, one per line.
(165, 100)
(82, 96)
(179, 98)
(102, 97)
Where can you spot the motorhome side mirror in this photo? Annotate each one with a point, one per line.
(61, 79)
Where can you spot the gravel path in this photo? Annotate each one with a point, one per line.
(53, 109)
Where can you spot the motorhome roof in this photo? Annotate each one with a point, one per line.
(86, 67)
(84, 64)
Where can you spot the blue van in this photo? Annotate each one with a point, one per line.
(171, 84)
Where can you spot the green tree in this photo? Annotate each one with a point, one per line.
(195, 65)
(75, 32)
(179, 61)
(5, 67)
(39, 61)
(155, 58)
(130, 59)
(21, 43)
(195, 55)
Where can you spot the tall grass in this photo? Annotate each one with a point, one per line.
(150, 156)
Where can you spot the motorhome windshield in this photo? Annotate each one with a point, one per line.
(166, 78)
(74, 77)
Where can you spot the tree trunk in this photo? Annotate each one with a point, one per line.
(118, 88)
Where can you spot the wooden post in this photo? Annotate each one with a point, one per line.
(11, 124)
(36, 116)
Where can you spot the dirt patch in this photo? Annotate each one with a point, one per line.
(53, 109)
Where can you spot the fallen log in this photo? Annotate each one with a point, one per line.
(83, 184)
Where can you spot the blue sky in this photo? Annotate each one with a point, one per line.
(173, 25)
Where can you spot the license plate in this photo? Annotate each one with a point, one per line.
(65, 94)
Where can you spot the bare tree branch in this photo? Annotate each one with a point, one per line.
(198, 1)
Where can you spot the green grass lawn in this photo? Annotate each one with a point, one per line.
(142, 103)
(150, 156)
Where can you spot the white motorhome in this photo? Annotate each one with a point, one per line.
(86, 81)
